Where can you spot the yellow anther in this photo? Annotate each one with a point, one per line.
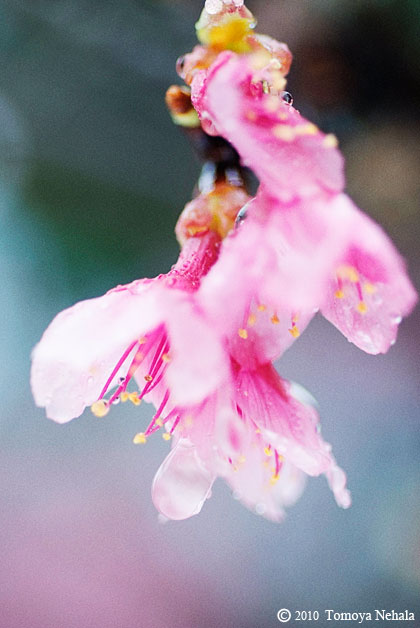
(159, 422)
(294, 331)
(100, 408)
(261, 308)
(268, 451)
(241, 459)
(148, 378)
(370, 288)
(252, 319)
(348, 272)
(284, 132)
(142, 340)
(306, 129)
(124, 396)
(140, 438)
(330, 141)
(243, 333)
(166, 436)
(339, 294)
(166, 357)
(275, 319)
(251, 115)
(274, 479)
(362, 307)
(258, 431)
(134, 398)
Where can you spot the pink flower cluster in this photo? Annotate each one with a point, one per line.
(200, 341)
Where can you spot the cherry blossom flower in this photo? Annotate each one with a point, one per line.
(140, 330)
(147, 329)
(259, 433)
(346, 266)
(228, 411)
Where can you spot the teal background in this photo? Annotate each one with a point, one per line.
(92, 178)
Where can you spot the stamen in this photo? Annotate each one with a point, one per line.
(370, 287)
(117, 367)
(140, 439)
(294, 330)
(268, 451)
(330, 141)
(275, 319)
(166, 436)
(148, 378)
(243, 333)
(100, 408)
(134, 398)
(261, 307)
(362, 307)
(252, 319)
(173, 428)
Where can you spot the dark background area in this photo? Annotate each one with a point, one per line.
(93, 175)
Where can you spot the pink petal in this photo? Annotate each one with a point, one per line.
(251, 484)
(81, 347)
(289, 424)
(289, 155)
(369, 291)
(272, 273)
(182, 483)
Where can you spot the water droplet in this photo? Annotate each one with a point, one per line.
(287, 98)
(241, 216)
(180, 63)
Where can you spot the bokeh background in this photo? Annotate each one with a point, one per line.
(92, 178)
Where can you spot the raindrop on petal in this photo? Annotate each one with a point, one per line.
(287, 98)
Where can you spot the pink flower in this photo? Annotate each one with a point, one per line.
(145, 330)
(219, 397)
(317, 249)
(257, 434)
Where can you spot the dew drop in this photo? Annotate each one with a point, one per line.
(241, 216)
(180, 64)
(287, 98)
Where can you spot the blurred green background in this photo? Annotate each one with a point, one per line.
(92, 178)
